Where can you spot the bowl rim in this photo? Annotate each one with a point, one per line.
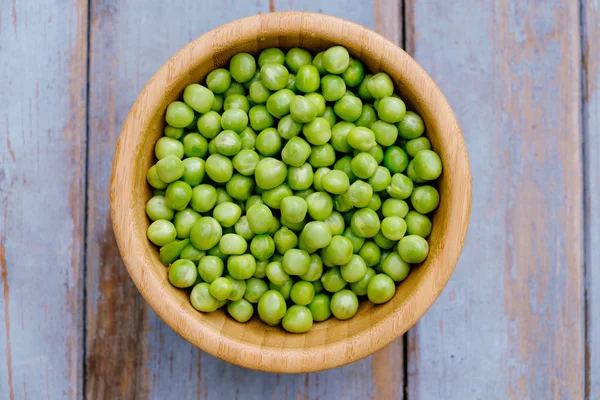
(254, 356)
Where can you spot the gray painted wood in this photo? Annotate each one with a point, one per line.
(129, 42)
(591, 145)
(43, 48)
(510, 324)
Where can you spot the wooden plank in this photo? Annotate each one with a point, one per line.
(510, 323)
(146, 357)
(43, 48)
(591, 141)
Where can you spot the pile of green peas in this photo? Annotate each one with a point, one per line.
(292, 183)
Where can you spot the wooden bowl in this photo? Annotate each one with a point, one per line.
(254, 344)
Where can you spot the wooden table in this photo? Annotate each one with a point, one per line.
(520, 318)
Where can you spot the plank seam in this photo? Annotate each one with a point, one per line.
(585, 160)
(86, 200)
(403, 20)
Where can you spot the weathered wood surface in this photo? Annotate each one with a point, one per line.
(591, 146)
(510, 324)
(126, 342)
(43, 53)
(519, 319)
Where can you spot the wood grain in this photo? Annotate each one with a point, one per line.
(143, 348)
(43, 49)
(591, 147)
(510, 323)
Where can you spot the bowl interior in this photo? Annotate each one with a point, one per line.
(255, 344)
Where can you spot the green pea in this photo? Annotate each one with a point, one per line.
(336, 223)
(354, 74)
(385, 134)
(245, 162)
(170, 252)
(234, 89)
(201, 298)
(319, 101)
(154, 180)
(248, 138)
(296, 227)
(190, 252)
(161, 232)
(360, 287)
(184, 220)
(335, 182)
(427, 165)
(307, 79)
(291, 83)
(316, 234)
(172, 132)
(178, 195)
(315, 269)
(320, 206)
(367, 117)
(322, 156)
(260, 118)
(363, 91)
(271, 55)
(393, 228)
(348, 108)
(254, 199)
(302, 293)
(300, 178)
(395, 208)
(259, 92)
(296, 58)
(339, 136)
(270, 173)
(304, 193)
(302, 109)
(401, 187)
(241, 310)
(235, 120)
(279, 103)
(318, 285)
(204, 198)
(166, 146)
(330, 116)
(415, 145)
(218, 168)
(360, 193)
(413, 249)
(262, 247)
(317, 62)
(343, 164)
(206, 233)
(193, 171)
(274, 76)
(260, 218)
(410, 172)
(318, 178)
(215, 251)
(285, 239)
(255, 288)
(333, 87)
(179, 114)
(268, 142)
(338, 252)
(241, 266)
(293, 209)
(169, 169)
(288, 127)
(297, 319)
(344, 304)
(317, 132)
(209, 124)
(320, 307)
(336, 60)
(239, 288)
(227, 214)
(418, 224)
(237, 101)
(242, 228)
(221, 288)
(391, 109)
(157, 209)
(195, 145)
(296, 262)
(381, 289)
(365, 223)
(424, 199)
(343, 202)
(242, 67)
(380, 180)
(395, 159)
(383, 241)
(276, 274)
(354, 270)
(219, 80)
(218, 103)
(395, 267)
(411, 126)
(380, 85)
(261, 267)
(271, 307)
(332, 280)
(210, 268)
(240, 187)
(198, 97)
(363, 165)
